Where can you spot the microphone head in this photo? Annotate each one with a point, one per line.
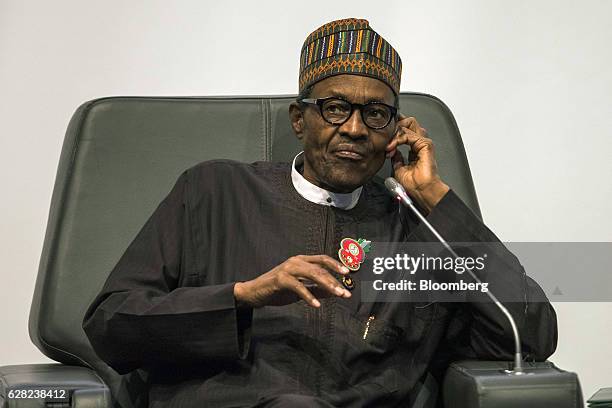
(393, 185)
(397, 190)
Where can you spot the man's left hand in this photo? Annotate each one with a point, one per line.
(420, 175)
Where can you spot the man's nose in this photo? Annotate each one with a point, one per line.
(354, 126)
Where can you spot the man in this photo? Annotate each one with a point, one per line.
(233, 295)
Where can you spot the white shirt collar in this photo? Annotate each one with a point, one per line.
(318, 195)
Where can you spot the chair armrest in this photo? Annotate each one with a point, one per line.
(56, 385)
(484, 384)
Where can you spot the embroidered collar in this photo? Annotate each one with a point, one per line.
(317, 194)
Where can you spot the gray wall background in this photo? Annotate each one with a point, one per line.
(529, 82)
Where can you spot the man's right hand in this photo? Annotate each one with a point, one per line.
(285, 283)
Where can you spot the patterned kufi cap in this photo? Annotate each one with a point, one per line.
(348, 46)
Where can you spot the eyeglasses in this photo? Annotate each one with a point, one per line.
(336, 111)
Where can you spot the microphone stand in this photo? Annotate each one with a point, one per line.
(400, 194)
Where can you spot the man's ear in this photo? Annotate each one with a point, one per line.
(297, 119)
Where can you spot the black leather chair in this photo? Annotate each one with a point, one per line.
(120, 157)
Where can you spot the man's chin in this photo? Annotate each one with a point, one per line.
(342, 184)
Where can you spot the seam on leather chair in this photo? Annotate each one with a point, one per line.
(262, 127)
(99, 377)
(268, 136)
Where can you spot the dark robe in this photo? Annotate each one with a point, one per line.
(168, 305)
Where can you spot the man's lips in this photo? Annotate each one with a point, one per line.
(348, 155)
(350, 152)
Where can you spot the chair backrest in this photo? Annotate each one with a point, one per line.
(121, 156)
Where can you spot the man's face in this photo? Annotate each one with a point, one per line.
(340, 158)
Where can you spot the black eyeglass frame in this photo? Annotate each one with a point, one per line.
(320, 101)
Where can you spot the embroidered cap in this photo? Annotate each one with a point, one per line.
(348, 46)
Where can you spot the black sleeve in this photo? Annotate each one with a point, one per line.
(478, 329)
(142, 318)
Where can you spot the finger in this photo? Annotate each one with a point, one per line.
(414, 125)
(298, 288)
(397, 161)
(327, 282)
(326, 261)
(307, 283)
(319, 293)
(316, 268)
(412, 156)
(410, 123)
(422, 146)
(400, 138)
(423, 149)
(320, 276)
(395, 141)
(389, 147)
(405, 120)
(315, 289)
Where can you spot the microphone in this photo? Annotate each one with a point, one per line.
(398, 191)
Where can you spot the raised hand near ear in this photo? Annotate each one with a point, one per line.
(419, 175)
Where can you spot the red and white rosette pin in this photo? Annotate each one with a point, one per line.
(352, 252)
